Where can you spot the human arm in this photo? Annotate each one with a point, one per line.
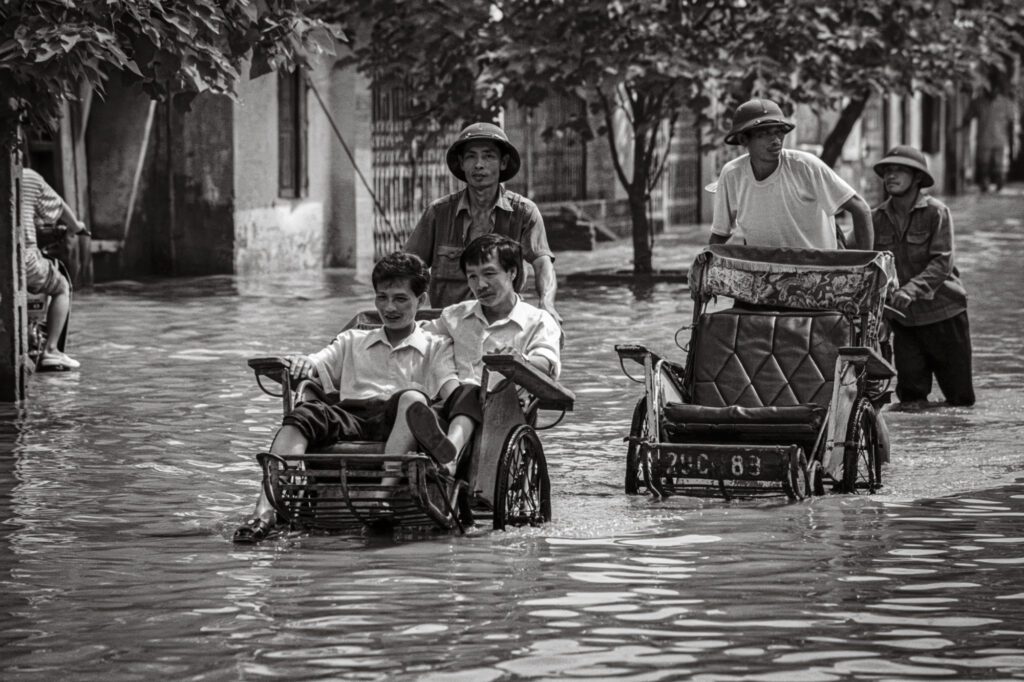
(539, 344)
(68, 217)
(718, 238)
(546, 283)
(723, 219)
(863, 228)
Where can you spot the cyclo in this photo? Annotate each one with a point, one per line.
(779, 393)
(352, 483)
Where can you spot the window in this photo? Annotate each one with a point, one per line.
(293, 179)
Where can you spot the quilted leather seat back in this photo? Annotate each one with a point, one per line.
(766, 358)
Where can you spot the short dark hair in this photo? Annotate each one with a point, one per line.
(507, 252)
(400, 266)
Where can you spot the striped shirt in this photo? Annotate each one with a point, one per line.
(40, 205)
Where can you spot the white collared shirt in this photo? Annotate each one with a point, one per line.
(528, 329)
(362, 363)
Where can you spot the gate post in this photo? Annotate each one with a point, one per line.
(13, 313)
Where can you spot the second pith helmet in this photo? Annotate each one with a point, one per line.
(905, 155)
(756, 113)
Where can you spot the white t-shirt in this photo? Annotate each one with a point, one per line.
(793, 207)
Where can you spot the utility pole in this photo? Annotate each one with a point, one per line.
(13, 312)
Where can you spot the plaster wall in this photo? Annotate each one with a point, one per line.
(274, 233)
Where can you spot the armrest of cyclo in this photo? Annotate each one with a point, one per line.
(550, 394)
(272, 367)
(876, 366)
(636, 352)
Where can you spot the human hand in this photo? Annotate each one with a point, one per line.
(549, 307)
(901, 300)
(300, 367)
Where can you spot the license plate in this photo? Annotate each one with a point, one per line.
(720, 465)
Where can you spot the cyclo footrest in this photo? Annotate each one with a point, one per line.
(333, 491)
(726, 470)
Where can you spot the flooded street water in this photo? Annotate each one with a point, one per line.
(121, 485)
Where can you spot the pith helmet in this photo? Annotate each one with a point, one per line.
(483, 131)
(905, 155)
(756, 113)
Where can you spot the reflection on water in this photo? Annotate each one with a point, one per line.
(121, 485)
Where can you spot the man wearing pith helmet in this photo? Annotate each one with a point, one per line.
(772, 196)
(483, 158)
(931, 334)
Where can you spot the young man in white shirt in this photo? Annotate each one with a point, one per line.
(498, 321)
(378, 374)
(779, 197)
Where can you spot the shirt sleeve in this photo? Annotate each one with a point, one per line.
(421, 241)
(329, 362)
(833, 191)
(442, 366)
(940, 259)
(544, 343)
(722, 220)
(535, 235)
(49, 205)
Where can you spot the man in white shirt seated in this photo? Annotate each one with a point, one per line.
(779, 197)
(498, 321)
(377, 374)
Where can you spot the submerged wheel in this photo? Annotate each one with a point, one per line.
(795, 481)
(522, 490)
(638, 460)
(861, 462)
(815, 478)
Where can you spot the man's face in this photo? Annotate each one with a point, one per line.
(397, 304)
(898, 180)
(490, 283)
(482, 163)
(765, 144)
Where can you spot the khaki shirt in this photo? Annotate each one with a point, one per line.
(443, 233)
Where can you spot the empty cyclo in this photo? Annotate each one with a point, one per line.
(779, 393)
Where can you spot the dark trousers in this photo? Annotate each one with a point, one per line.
(465, 401)
(324, 423)
(942, 349)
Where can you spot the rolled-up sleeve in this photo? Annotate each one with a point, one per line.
(535, 236)
(329, 361)
(421, 241)
(442, 366)
(544, 343)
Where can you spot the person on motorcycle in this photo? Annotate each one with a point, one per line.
(41, 205)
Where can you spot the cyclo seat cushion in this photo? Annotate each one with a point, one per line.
(697, 423)
(759, 358)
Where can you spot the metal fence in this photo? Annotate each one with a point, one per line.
(407, 175)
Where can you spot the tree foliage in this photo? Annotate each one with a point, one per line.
(49, 49)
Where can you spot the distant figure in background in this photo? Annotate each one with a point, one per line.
(40, 206)
(995, 112)
(779, 197)
(933, 337)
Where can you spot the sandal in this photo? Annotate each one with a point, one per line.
(251, 532)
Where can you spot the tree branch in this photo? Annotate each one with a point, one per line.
(609, 123)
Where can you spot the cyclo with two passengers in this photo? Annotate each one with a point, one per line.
(352, 484)
(779, 393)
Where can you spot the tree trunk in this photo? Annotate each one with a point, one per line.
(13, 314)
(643, 237)
(851, 113)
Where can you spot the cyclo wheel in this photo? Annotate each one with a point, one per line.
(638, 460)
(862, 467)
(794, 482)
(522, 490)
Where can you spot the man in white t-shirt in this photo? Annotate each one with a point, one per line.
(779, 197)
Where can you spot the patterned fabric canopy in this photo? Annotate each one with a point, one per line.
(853, 282)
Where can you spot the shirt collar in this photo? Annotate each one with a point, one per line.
(518, 314)
(502, 203)
(417, 340)
(922, 201)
